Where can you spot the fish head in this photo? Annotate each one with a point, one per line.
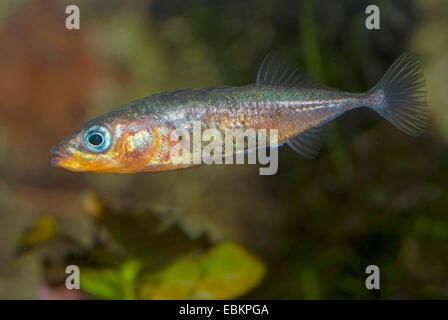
(111, 143)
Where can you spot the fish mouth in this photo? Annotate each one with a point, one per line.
(61, 153)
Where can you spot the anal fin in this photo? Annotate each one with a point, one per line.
(308, 142)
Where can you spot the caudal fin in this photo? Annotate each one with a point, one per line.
(404, 95)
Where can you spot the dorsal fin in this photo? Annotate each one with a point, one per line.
(277, 70)
(308, 142)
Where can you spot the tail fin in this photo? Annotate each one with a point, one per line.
(403, 89)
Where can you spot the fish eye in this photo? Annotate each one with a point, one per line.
(97, 138)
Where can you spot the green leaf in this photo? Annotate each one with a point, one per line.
(177, 281)
(144, 236)
(229, 271)
(111, 283)
(44, 229)
(225, 271)
(104, 284)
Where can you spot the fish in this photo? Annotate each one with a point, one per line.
(137, 137)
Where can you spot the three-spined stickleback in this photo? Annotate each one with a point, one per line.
(136, 137)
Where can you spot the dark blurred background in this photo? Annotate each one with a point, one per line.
(373, 195)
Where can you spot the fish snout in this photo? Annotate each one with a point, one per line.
(60, 152)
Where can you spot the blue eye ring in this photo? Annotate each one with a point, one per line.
(97, 138)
